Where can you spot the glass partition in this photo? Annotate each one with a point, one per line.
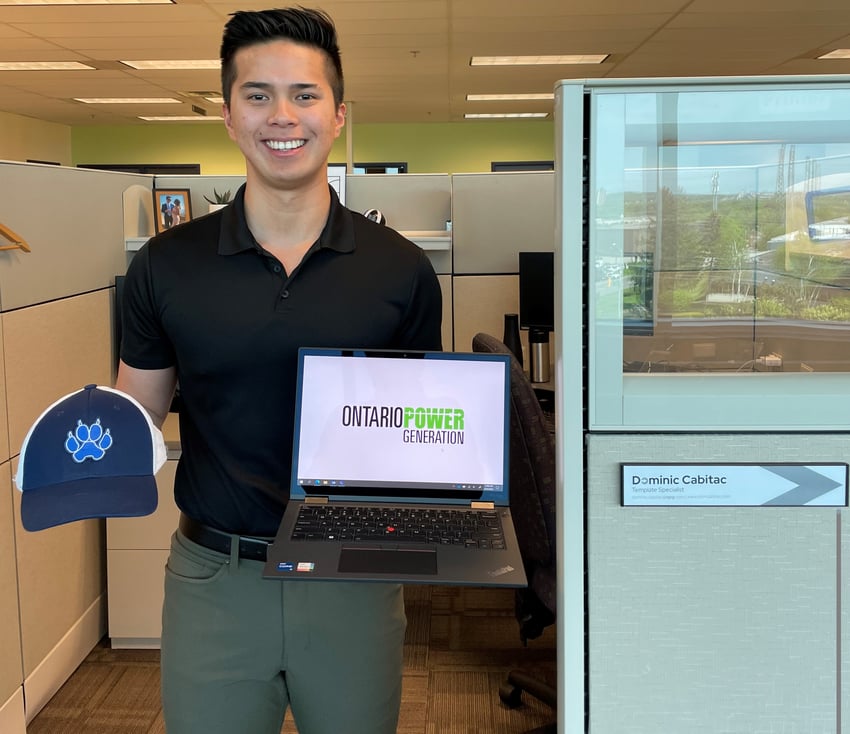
(719, 247)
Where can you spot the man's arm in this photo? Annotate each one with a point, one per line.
(153, 389)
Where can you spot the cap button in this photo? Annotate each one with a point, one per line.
(90, 387)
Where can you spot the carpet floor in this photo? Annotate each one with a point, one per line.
(460, 644)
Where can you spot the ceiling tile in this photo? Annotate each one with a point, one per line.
(408, 60)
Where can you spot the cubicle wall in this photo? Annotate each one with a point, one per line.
(714, 619)
(11, 664)
(497, 215)
(56, 337)
(711, 609)
(493, 217)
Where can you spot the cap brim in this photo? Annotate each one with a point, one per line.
(83, 499)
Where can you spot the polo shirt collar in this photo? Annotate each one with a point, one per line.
(235, 237)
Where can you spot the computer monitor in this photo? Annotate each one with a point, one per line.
(537, 291)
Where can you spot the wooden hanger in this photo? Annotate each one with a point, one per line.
(17, 242)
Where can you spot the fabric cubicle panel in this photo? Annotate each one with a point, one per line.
(49, 354)
(11, 664)
(481, 301)
(497, 215)
(56, 322)
(713, 619)
(73, 222)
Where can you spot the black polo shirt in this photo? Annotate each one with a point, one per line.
(206, 298)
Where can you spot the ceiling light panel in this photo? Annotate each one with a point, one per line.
(127, 100)
(169, 65)
(552, 60)
(503, 115)
(86, 2)
(839, 53)
(179, 118)
(535, 97)
(44, 66)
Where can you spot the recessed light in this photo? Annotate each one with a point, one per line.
(839, 53)
(169, 65)
(509, 97)
(215, 100)
(502, 115)
(179, 118)
(44, 66)
(127, 100)
(537, 60)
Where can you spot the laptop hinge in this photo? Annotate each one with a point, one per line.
(315, 500)
(482, 505)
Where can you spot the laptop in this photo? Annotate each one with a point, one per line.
(400, 471)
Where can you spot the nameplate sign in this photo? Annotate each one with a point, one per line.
(734, 485)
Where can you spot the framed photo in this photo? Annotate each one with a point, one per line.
(171, 207)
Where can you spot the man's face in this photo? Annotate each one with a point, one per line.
(282, 113)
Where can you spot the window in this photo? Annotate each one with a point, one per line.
(397, 167)
(719, 245)
(162, 169)
(505, 166)
(725, 233)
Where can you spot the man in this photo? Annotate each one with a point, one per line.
(221, 306)
(166, 209)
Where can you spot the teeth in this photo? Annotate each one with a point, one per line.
(284, 144)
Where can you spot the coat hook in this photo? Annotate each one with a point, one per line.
(18, 242)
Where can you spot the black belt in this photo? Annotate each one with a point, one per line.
(253, 549)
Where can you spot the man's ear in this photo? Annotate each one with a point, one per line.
(225, 113)
(340, 114)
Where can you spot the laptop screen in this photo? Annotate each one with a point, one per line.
(407, 425)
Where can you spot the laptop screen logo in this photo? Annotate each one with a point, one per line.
(417, 425)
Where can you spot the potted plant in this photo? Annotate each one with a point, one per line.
(219, 201)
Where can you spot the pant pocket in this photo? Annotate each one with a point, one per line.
(193, 564)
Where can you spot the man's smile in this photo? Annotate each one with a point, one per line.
(285, 144)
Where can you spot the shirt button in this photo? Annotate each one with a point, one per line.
(277, 268)
(285, 294)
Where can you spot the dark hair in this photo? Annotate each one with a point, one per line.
(310, 27)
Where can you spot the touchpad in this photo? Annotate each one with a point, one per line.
(387, 560)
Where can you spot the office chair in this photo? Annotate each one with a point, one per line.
(532, 485)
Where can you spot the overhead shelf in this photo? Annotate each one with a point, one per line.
(438, 239)
(132, 244)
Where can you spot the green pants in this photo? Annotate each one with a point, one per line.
(237, 649)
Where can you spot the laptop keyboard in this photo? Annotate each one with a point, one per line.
(469, 528)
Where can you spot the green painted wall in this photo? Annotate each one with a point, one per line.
(206, 143)
(452, 147)
(23, 138)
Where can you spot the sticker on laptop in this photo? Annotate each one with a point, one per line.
(306, 567)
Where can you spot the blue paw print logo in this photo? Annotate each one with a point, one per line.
(88, 442)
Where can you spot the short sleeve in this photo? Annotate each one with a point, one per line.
(144, 345)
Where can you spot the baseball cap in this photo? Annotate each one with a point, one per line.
(93, 453)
